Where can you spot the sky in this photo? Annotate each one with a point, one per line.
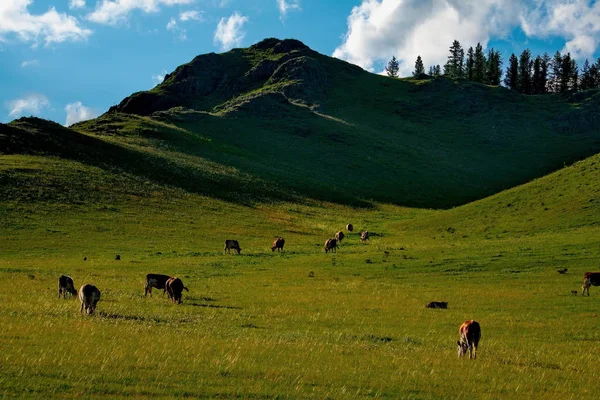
(70, 60)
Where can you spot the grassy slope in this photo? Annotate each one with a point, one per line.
(344, 135)
(257, 325)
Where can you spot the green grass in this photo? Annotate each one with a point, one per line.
(259, 326)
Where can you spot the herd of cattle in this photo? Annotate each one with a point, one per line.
(89, 295)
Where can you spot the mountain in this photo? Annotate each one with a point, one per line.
(279, 121)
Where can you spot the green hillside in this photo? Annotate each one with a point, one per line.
(297, 124)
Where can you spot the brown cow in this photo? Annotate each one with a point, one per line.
(364, 236)
(232, 244)
(470, 334)
(157, 281)
(66, 286)
(89, 296)
(590, 279)
(175, 288)
(339, 236)
(349, 227)
(330, 244)
(437, 304)
(278, 244)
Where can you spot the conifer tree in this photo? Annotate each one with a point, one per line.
(537, 84)
(585, 83)
(419, 68)
(454, 68)
(525, 79)
(392, 67)
(566, 74)
(470, 65)
(494, 68)
(574, 81)
(556, 72)
(479, 64)
(512, 73)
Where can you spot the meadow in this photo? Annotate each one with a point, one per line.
(300, 324)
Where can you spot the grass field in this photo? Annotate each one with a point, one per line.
(301, 324)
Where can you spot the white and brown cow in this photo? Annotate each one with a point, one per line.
(157, 281)
(175, 288)
(364, 236)
(232, 244)
(470, 334)
(590, 279)
(278, 244)
(339, 236)
(330, 245)
(66, 286)
(349, 227)
(89, 296)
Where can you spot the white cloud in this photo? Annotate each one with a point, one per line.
(229, 31)
(76, 4)
(112, 12)
(29, 63)
(77, 112)
(172, 24)
(159, 78)
(378, 29)
(578, 21)
(50, 27)
(287, 5)
(191, 15)
(31, 104)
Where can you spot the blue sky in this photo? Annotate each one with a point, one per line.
(69, 60)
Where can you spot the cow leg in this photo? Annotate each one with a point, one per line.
(81, 309)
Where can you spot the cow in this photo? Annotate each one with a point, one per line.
(349, 227)
(339, 236)
(330, 244)
(437, 304)
(157, 281)
(278, 244)
(470, 334)
(590, 279)
(364, 236)
(66, 286)
(175, 288)
(89, 296)
(232, 244)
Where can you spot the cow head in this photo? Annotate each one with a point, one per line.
(463, 347)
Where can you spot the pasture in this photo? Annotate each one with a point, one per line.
(300, 324)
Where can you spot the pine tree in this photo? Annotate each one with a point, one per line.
(470, 64)
(479, 65)
(525, 79)
(566, 74)
(574, 79)
(546, 61)
(556, 73)
(454, 68)
(419, 68)
(585, 83)
(437, 70)
(512, 73)
(392, 67)
(494, 68)
(537, 75)
(595, 75)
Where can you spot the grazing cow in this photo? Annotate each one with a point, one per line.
(278, 244)
(118, 257)
(364, 236)
(89, 296)
(339, 236)
(66, 285)
(470, 333)
(175, 288)
(562, 271)
(437, 304)
(330, 244)
(232, 244)
(590, 279)
(155, 281)
(349, 227)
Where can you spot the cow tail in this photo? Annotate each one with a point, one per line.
(186, 289)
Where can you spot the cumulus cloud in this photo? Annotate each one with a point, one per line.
(191, 15)
(112, 12)
(287, 5)
(378, 29)
(50, 27)
(76, 4)
(172, 24)
(159, 78)
(77, 112)
(578, 21)
(230, 32)
(29, 63)
(31, 104)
